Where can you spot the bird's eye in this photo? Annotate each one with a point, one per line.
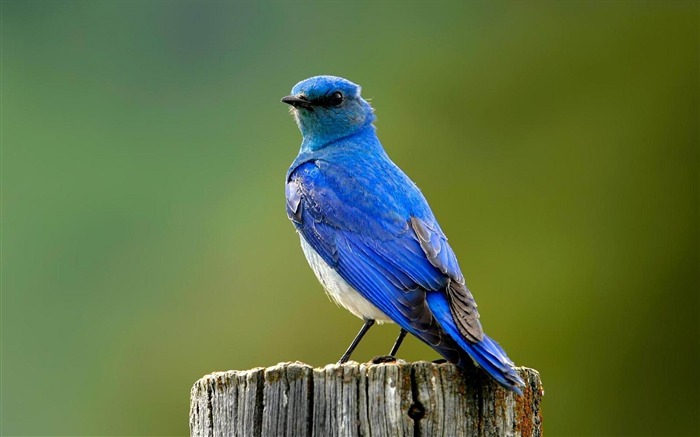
(336, 98)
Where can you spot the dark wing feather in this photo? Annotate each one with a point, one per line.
(462, 303)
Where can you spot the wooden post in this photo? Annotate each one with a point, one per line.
(379, 400)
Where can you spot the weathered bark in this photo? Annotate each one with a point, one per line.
(379, 400)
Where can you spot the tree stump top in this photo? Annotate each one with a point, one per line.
(352, 399)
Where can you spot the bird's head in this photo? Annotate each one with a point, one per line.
(327, 108)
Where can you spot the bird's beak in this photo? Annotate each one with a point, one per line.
(297, 101)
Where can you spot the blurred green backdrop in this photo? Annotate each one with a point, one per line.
(145, 242)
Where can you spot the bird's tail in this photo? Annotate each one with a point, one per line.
(486, 353)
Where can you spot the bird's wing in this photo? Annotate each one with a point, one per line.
(440, 255)
(389, 256)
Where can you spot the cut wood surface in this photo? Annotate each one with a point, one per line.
(379, 400)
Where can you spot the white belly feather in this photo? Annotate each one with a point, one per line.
(342, 293)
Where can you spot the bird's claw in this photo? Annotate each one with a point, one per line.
(379, 359)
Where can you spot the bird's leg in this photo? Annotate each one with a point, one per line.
(346, 356)
(397, 343)
(392, 355)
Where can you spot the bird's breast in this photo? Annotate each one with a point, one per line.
(337, 288)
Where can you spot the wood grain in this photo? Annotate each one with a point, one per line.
(352, 399)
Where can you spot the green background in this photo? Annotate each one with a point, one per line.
(144, 238)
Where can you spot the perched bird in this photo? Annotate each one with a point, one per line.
(370, 236)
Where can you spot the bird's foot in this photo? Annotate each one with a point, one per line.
(379, 359)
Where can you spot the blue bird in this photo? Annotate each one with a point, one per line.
(370, 236)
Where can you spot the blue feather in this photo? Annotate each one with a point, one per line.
(487, 353)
